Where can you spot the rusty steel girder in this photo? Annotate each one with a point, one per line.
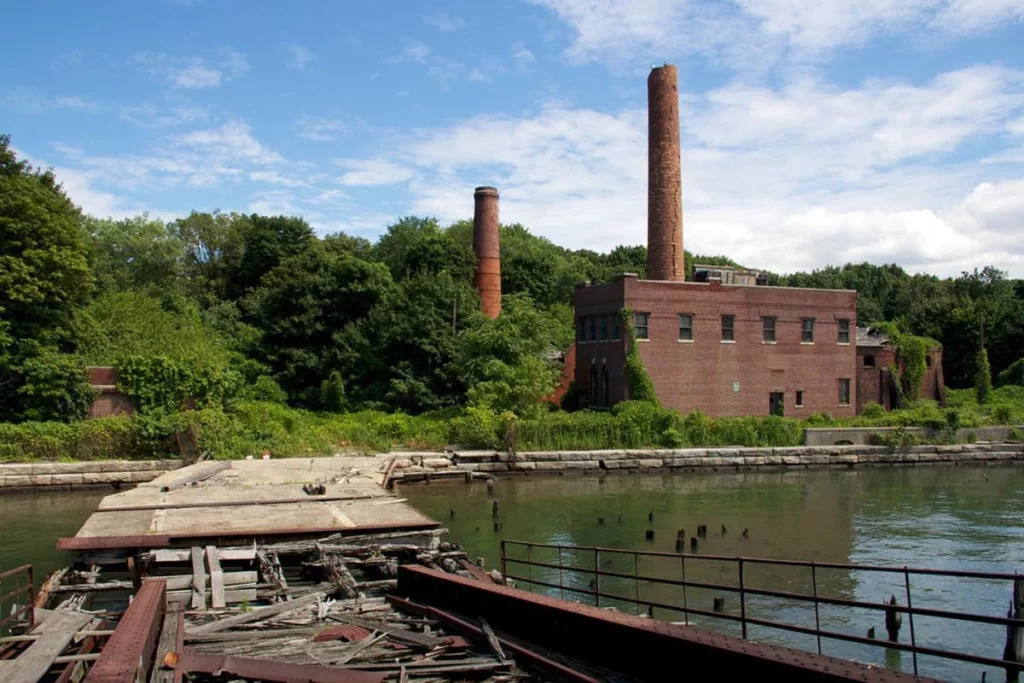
(130, 649)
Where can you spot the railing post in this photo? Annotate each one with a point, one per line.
(529, 566)
(636, 581)
(597, 577)
(504, 567)
(561, 587)
(743, 602)
(686, 613)
(817, 617)
(910, 614)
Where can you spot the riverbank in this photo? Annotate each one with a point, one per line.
(73, 476)
(428, 466)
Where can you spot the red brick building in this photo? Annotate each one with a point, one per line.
(723, 349)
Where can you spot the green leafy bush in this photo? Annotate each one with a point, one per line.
(982, 378)
(872, 411)
(1014, 374)
(639, 383)
(166, 383)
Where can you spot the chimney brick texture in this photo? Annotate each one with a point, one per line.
(664, 178)
(487, 246)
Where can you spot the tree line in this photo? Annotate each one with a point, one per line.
(224, 305)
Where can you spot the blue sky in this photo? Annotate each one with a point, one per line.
(813, 133)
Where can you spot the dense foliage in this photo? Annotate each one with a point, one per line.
(276, 336)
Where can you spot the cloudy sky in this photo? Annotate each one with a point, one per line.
(814, 133)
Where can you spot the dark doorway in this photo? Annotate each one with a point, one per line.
(775, 403)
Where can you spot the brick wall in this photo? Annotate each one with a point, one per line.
(108, 401)
(873, 381)
(728, 378)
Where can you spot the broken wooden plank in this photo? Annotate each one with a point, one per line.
(226, 555)
(216, 578)
(198, 579)
(258, 614)
(184, 581)
(492, 640)
(94, 587)
(397, 633)
(55, 634)
(166, 644)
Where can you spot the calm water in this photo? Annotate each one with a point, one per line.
(941, 517)
(948, 517)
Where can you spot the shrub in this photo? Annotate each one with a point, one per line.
(1014, 374)
(156, 383)
(982, 378)
(1003, 414)
(871, 411)
(639, 383)
(698, 428)
(897, 439)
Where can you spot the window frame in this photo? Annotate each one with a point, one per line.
(593, 328)
(844, 382)
(804, 331)
(603, 328)
(840, 322)
(799, 399)
(731, 317)
(688, 328)
(616, 331)
(872, 364)
(765, 330)
(646, 326)
(581, 329)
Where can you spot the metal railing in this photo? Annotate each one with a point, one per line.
(593, 569)
(11, 608)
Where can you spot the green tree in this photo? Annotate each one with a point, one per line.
(306, 308)
(508, 363)
(44, 279)
(134, 253)
(983, 378)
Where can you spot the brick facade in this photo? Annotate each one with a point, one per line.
(108, 399)
(720, 377)
(874, 363)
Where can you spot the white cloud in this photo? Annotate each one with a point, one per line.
(298, 56)
(414, 52)
(478, 76)
(231, 142)
(521, 56)
(32, 101)
(319, 128)
(370, 172)
(149, 115)
(754, 33)
(197, 76)
(194, 72)
(445, 24)
(276, 178)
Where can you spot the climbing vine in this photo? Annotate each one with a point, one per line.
(912, 360)
(639, 383)
(161, 382)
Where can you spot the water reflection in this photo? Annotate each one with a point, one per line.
(943, 517)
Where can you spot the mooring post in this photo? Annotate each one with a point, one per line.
(1013, 651)
(494, 509)
(893, 620)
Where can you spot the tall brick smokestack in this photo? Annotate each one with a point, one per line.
(664, 179)
(487, 245)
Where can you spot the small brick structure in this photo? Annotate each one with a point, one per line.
(109, 400)
(876, 357)
(487, 246)
(700, 367)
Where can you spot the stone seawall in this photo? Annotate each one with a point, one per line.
(49, 476)
(416, 467)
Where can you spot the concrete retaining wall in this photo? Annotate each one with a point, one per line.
(829, 436)
(76, 475)
(694, 458)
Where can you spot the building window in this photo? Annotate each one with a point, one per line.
(604, 328)
(807, 330)
(593, 328)
(728, 329)
(869, 361)
(768, 327)
(686, 327)
(640, 325)
(844, 331)
(581, 329)
(776, 403)
(928, 361)
(799, 399)
(844, 392)
(616, 335)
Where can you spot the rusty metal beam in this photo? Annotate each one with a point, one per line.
(557, 669)
(638, 647)
(269, 670)
(86, 543)
(128, 655)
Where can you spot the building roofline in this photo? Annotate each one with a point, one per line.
(724, 285)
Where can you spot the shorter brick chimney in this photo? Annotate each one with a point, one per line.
(487, 246)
